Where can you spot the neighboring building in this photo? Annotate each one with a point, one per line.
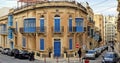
(90, 28)
(3, 31)
(110, 28)
(118, 28)
(3, 26)
(99, 24)
(48, 27)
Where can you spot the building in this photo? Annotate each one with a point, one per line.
(3, 31)
(90, 28)
(3, 26)
(99, 24)
(118, 28)
(52, 27)
(110, 28)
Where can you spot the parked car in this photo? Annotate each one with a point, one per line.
(16, 53)
(5, 50)
(1, 49)
(110, 57)
(91, 54)
(12, 52)
(23, 54)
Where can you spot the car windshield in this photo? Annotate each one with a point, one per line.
(109, 56)
(90, 51)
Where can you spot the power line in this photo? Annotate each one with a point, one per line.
(99, 3)
(106, 9)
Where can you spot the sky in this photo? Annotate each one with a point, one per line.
(105, 7)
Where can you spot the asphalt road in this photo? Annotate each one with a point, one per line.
(8, 59)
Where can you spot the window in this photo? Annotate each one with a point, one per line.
(16, 26)
(42, 24)
(57, 23)
(70, 44)
(10, 36)
(41, 44)
(88, 28)
(70, 24)
(23, 42)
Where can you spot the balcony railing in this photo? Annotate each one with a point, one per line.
(3, 32)
(41, 29)
(58, 30)
(15, 30)
(71, 29)
(28, 30)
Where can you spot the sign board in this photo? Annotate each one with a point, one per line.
(77, 45)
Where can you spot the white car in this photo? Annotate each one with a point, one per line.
(91, 54)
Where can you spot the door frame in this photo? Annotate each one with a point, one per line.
(60, 44)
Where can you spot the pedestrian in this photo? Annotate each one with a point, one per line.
(112, 48)
(79, 52)
(107, 48)
(32, 56)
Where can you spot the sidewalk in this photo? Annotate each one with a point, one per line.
(116, 50)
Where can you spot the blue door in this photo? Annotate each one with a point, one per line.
(57, 25)
(11, 45)
(42, 25)
(57, 48)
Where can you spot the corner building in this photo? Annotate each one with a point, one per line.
(49, 27)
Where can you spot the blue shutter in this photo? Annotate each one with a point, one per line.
(91, 32)
(16, 26)
(57, 25)
(42, 25)
(10, 20)
(10, 36)
(70, 25)
(41, 44)
(70, 44)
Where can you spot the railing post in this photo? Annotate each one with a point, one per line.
(68, 60)
(57, 59)
(45, 59)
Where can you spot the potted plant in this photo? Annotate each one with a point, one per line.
(65, 50)
(50, 51)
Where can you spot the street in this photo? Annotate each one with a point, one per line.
(8, 59)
